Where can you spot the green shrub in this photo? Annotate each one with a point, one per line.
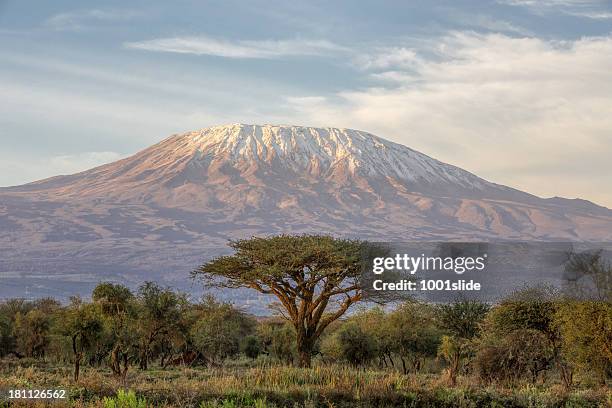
(125, 399)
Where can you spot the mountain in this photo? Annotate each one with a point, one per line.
(157, 214)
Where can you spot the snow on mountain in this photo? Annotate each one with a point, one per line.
(161, 211)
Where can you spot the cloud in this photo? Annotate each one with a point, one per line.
(488, 23)
(526, 112)
(83, 19)
(387, 57)
(591, 9)
(594, 15)
(265, 49)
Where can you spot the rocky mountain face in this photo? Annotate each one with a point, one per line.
(157, 214)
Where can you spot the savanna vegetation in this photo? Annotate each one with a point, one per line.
(156, 347)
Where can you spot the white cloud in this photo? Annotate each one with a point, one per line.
(595, 15)
(83, 19)
(265, 49)
(485, 22)
(387, 57)
(526, 112)
(592, 9)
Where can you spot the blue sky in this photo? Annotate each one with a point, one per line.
(517, 91)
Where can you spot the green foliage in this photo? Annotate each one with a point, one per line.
(161, 318)
(118, 305)
(586, 331)
(82, 322)
(356, 346)
(219, 329)
(115, 299)
(125, 399)
(461, 319)
(32, 332)
(278, 340)
(524, 314)
(6, 335)
(533, 309)
(251, 346)
(517, 355)
(412, 333)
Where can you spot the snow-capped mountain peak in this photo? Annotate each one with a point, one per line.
(319, 152)
(156, 214)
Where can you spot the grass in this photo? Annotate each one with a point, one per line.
(282, 386)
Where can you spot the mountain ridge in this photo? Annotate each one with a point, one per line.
(161, 211)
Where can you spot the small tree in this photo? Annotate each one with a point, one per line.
(460, 320)
(219, 329)
(357, 347)
(83, 324)
(513, 356)
(534, 309)
(251, 347)
(117, 304)
(160, 313)
(277, 339)
(586, 335)
(32, 333)
(413, 333)
(315, 278)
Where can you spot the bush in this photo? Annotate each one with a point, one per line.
(251, 347)
(357, 347)
(125, 400)
(520, 354)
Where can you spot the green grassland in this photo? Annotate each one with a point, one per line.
(245, 383)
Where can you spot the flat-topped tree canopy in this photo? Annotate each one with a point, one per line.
(316, 278)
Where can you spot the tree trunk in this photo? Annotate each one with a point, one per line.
(453, 369)
(114, 363)
(567, 376)
(304, 349)
(77, 365)
(144, 359)
(391, 360)
(125, 365)
(405, 370)
(78, 355)
(304, 359)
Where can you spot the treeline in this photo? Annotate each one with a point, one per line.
(121, 329)
(529, 336)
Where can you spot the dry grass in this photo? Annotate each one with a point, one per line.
(329, 386)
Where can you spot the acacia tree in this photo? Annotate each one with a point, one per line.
(315, 278)
(534, 309)
(160, 314)
(117, 304)
(461, 321)
(412, 333)
(218, 329)
(32, 333)
(83, 324)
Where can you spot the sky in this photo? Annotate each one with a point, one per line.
(518, 92)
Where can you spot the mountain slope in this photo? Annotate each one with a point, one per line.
(160, 212)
